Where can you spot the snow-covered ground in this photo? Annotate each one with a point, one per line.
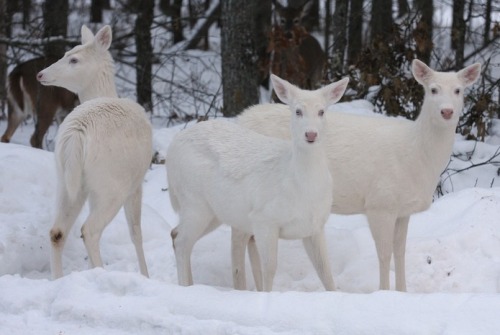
(453, 265)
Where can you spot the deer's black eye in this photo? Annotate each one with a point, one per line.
(298, 112)
(296, 21)
(457, 91)
(434, 90)
(321, 112)
(73, 60)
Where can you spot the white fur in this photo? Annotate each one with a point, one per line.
(385, 168)
(262, 186)
(87, 70)
(103, 150)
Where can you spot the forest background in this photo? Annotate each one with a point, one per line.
(199, 58)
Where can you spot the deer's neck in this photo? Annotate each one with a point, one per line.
(102, 86)
(434, 140)
(310, 161)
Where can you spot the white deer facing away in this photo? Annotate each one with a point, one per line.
(262, 186)
(385, 168)
(103, 149)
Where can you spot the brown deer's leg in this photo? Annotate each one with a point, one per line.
(45, 115)
(15, 116)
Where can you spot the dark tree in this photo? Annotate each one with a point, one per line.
(96, 8)
(403, 8)
(173, 8)
(239, 55)
(3, 56)
(144, 58)
(55, 16)
(458, 33)
(201, 33)
(263, 32)
(26, 13)
(487, 22)
(197, 9)
(381, 22)
(355, 31)
(423, 31)
(328, 25)
(339, 35)
(13, 6)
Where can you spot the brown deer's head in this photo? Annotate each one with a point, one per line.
(289, 19)
(296, 55)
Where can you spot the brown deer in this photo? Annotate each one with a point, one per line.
(26, 96)
(296, 55)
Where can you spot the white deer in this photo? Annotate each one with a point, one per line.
(263, 187)
(384, 168)
(103, 149)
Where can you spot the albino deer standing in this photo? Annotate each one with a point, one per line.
(103, 149)
(263, 187)
(296, 55)
(384, 168)
(26, 96)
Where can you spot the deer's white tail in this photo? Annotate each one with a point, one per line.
(71, 156)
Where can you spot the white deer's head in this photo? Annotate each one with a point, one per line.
(86, 68)
(444, 91)
(308, 107)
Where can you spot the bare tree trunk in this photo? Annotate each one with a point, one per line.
(96, 8)
(487, 23)
(26, 13)
(328, 25)
(424, 30)
(355, 31)
(403, 8)
(211, 15)
(144, 58)
(177, 21)
(55, 16)
(239, 55)
(381, 19)
(458, 33)
(3, 57)
(263, 33)
(339, 35)
(10, 8)
(174, 11)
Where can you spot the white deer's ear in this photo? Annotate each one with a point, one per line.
(334, 91)
(103, 38)
(283, 89)
(470, 74)
(87, 35)
(421, 72)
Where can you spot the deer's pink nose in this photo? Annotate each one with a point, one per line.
(39, 76)
(447, 113)
(311, 136)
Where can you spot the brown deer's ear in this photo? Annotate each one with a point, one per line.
(277, 5)
(306, 7)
